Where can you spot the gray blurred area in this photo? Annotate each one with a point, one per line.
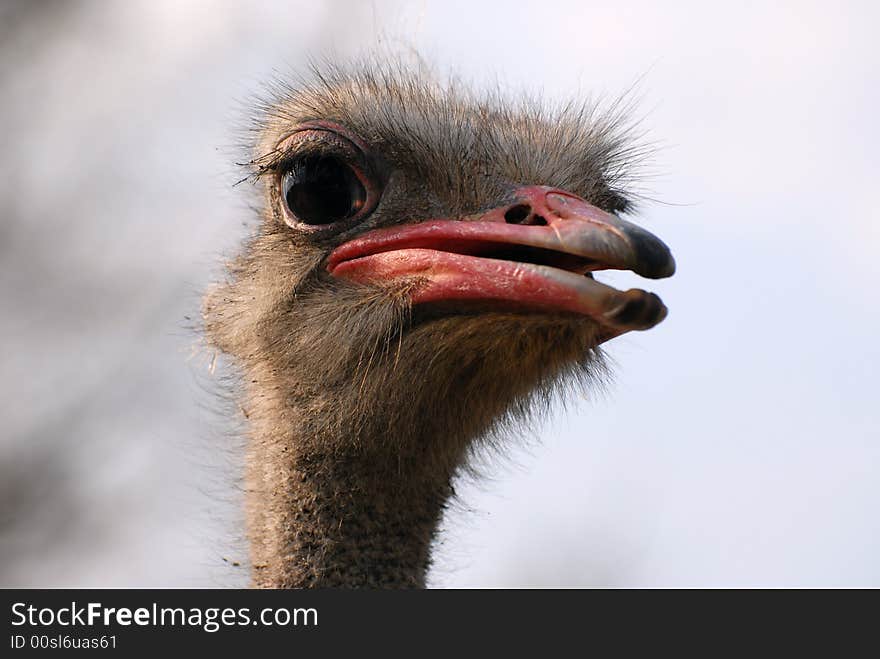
(739, 443)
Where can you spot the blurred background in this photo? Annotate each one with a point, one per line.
(739, 442)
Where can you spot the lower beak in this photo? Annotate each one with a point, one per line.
(536, 254)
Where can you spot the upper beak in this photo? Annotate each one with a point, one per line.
(530, 254)
(576, 227)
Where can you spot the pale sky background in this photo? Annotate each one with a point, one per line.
(739, 443)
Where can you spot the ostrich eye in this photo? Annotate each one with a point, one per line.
(322, 190)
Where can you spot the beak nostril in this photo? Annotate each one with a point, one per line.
(538, 220)
(518, 213)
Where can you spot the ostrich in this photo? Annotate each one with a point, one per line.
(420, 280)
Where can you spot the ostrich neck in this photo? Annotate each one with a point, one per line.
(331, 518)
(348, 477)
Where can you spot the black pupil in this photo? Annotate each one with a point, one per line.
(323, 190)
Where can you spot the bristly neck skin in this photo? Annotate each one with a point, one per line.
(325, 520)
(348, 476)
(351, 454)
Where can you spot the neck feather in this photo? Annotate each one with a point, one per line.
(339, 517)
(351, 457)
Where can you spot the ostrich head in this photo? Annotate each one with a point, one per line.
(422, 272)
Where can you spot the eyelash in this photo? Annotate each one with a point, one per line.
(273, 163)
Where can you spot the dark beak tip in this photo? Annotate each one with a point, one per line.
(653, 256)
(638, 310)
(668, 269)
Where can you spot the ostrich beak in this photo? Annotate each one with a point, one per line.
(536, 254)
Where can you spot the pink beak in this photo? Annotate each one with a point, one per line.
(535, 254)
